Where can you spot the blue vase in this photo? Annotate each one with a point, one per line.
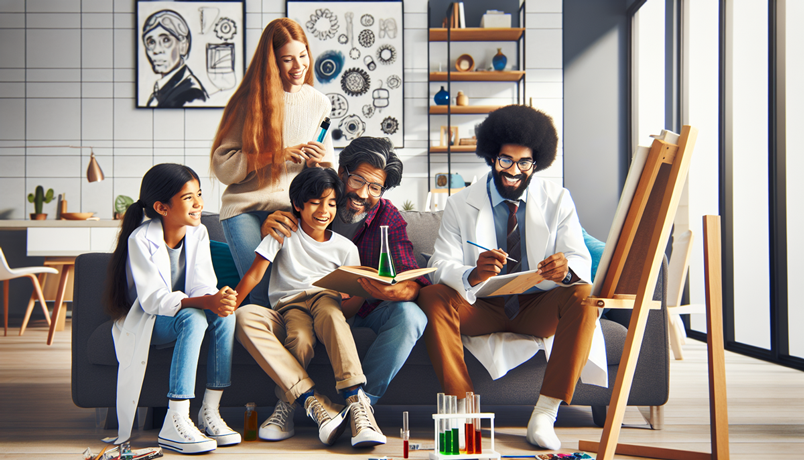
(499, 60)
(441, 97)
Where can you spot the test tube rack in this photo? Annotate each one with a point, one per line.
(487, 453)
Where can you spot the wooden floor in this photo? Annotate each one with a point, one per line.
(766, 413)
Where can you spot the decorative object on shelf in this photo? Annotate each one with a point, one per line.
(205, 74)
(76, 215)
(499, 60)
(62, 207)
(464, 63)
(495, 19)
(468, 141)
(121, 204)
(455, 180)
(441, 97)
(453, 130)
(368, 78)
(461, 99)
(38, 198)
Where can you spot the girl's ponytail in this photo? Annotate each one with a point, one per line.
(160, 183)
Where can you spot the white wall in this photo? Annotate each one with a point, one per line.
(67, 77)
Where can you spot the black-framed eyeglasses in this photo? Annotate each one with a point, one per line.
(523, 165)
(357, 181)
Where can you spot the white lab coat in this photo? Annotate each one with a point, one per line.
(149, 281)
(552, 226)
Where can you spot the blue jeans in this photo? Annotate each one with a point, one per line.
(187, 329)
(243, 236)
(398, 326)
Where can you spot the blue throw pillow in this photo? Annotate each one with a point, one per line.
(224, 265)
(595, 247)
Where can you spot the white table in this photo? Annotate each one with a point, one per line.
(60, 242)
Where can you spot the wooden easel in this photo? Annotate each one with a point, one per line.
(718, 411)
(630, 275)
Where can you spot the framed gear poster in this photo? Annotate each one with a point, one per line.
(357, 61)
(189, 53)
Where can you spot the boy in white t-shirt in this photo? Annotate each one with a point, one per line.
(309, 313)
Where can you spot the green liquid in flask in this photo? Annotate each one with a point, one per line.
(386, 266)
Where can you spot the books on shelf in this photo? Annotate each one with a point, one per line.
(456, 16)
(344, 279)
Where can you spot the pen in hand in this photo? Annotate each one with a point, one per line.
(487, 249)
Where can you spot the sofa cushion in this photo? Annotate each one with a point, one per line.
(422, 232)
(223, 264)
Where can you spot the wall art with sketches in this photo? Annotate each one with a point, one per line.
(189, 53)
(357, 55)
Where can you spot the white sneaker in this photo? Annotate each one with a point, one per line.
(210, 421)
(330, 425)
(365, 431)
(279, 425)
(180, 435)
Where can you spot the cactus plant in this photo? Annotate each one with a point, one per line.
(40, 197)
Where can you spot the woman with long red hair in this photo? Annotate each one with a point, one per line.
(265, 139)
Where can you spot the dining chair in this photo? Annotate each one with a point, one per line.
(7, 274)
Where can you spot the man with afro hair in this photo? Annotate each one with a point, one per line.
(534, 226)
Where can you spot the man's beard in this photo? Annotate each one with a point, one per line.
(507, 192)
(350, 216)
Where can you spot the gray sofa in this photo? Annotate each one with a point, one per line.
(94, 365)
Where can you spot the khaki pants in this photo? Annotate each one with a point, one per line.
(283, 343)
(556, 312)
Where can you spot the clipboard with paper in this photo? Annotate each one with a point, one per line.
(513, 283)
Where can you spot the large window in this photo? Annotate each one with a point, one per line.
(700, 109)
(649, 71)
(748, 162)
(794, 163)
(740, 64)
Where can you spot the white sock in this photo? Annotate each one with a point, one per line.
(540, 428)
(212, 397)
(181, 406)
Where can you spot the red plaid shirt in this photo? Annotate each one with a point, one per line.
(367, 240)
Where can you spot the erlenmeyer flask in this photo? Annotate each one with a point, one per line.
(386, 266)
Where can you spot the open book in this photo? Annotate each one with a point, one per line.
(344, 279)
(514, 283)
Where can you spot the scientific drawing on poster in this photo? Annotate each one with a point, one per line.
(358, 63)
(189, 53)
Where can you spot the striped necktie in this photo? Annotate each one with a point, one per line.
(514, 252)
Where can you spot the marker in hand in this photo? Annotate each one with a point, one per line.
(487, 249)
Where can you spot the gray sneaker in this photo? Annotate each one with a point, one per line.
(330, 424)
(365, 431)
(279, 425)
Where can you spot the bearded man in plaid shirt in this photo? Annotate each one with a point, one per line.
(368, 167)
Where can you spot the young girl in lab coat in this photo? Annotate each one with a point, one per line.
(161, 290)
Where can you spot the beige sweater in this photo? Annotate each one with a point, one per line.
(304, 112)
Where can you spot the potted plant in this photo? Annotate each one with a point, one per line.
(37, 198)
(121, 204)
(408, 206)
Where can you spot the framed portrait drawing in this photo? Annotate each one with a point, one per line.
(189, 53)
(358, 62)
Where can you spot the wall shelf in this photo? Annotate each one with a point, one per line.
(515, 77)
(454, 149)
(463, 109)
(486, 75)
(477, 34)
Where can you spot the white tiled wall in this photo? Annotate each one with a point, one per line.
(67, 77)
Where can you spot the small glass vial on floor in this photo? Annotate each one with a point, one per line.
(250, 422)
